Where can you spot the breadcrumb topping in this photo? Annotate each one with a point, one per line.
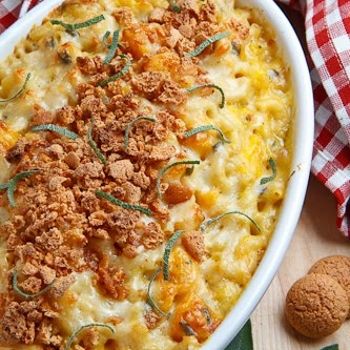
(58, 223)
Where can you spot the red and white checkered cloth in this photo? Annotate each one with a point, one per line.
(11, 10)
(328, 38)
(327, 25)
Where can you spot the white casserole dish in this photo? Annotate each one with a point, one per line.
(302, 151)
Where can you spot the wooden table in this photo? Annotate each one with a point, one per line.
(316, 237)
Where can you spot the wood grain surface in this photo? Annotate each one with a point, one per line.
(316, 237)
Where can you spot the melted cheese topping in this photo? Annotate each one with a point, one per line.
(256, 119)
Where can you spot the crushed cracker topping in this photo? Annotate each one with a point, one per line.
(53, 229)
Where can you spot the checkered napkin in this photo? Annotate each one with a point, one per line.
(328, 39)
(327, 25)
(11, 10)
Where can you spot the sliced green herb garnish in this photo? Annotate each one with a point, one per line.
(150, 300)
(113, 48)
(187, 328)
(130, 125)
(11, 185)
(106, 41)
(208, 222)
(201, 47)
(116, 201)
(20, 91)
(120, 74)
(105, 38)
(26, 295)
(174, 6)
(168, 247)
(213, 86)
(67, 26)
(207, 316)
(203, 128)
(71, 339)
(273, 167)
(93, 144)
(169, 166)
(72, 27)
(57, 129)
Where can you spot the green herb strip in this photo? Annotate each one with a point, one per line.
(20, 91)
(130, 125)
(207, 223)
(207, 316)
(168, 247)
(150, 301)
(273, 167)
(89, 22)
(105, 38)
(201, 47)
(11, 185)
(174, 6)
(71, 339)
(116, 201)
(113, 48)
(243, 340)
(93, 144)
(203, 128)
(120, 74)
(187, 328)
(213, 86)
(169, 166)
(26, 295)
(72, 27)
(57, 129)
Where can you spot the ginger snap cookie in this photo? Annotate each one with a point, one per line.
(336, 266)
(316, 305)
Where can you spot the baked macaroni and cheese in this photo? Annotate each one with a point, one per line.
(145, 152)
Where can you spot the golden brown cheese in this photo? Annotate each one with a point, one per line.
(81, 260)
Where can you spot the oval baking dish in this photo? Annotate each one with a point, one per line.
(301, 151)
